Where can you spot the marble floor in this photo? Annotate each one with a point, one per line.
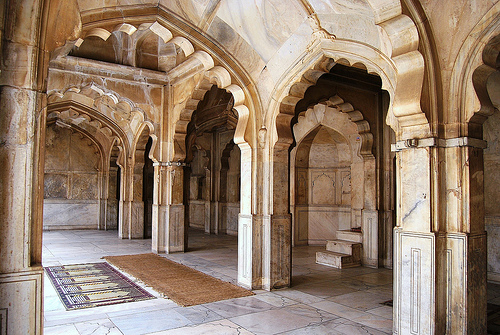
(322, 300)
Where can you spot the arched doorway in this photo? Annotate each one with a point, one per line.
(326, 161)
(74, 176)
(214, 160)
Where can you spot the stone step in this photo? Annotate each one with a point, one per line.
(348, 235)
(336, 260)
(345, 247)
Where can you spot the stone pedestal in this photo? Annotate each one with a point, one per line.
(440, 255)
(279, 256)
(461, 278)
(168, 222)
(370, 238)
(137, 227)
(21, 303)
(248, 263)
(414, 282)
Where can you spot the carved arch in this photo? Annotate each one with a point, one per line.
(110, 113)
(310, 118)
(398, 63)
(221, 78)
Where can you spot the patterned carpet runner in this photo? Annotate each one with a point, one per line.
(91, 285)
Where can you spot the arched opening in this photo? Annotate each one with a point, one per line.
(323, 166)
(342, 170)
(73, 184)
(212, 195)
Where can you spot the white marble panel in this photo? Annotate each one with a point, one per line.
(414, 304)
(233, 209)
(70, 214)
(21, 302)
(370, 238)
(493, 234)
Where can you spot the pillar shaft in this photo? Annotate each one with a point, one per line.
(440, 252)
(168, 210)
(21, 126)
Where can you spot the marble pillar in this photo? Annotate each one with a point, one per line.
(277, 240)
(137, 210)
(125, 203)
(249, 228)
(440, 252)
(21, 152)
(168, 226)
(414, 291)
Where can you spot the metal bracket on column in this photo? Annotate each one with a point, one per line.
(170, 163)
(440, 143)
(414, 143)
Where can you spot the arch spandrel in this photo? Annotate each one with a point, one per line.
(476, 61)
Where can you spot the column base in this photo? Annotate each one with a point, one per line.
(439, 283)
(21, 302)
(249, 275)
(414, 282)
(281, 252)
(168, 229)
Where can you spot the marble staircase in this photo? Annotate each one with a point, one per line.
(344, 252)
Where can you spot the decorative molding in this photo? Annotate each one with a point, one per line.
(171, 163)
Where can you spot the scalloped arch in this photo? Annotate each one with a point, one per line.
(313, 119)
(401, 77)
(103, 109)
(221, 78)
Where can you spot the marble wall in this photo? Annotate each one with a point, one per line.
(323, 186)
(72, 187)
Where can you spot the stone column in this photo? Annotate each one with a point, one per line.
(168, 210)
(370, 214)
(112, 201)
(215, 183)
(137, 206)
(222, 200)
(125, 204)
(249, 234)
(103, 177)
(414, 243)
(21, 157)
(440, 252)
(461, 242)
(206, 193)
(277, 235)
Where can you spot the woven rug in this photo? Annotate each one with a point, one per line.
(91, 285)
(185, 286)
